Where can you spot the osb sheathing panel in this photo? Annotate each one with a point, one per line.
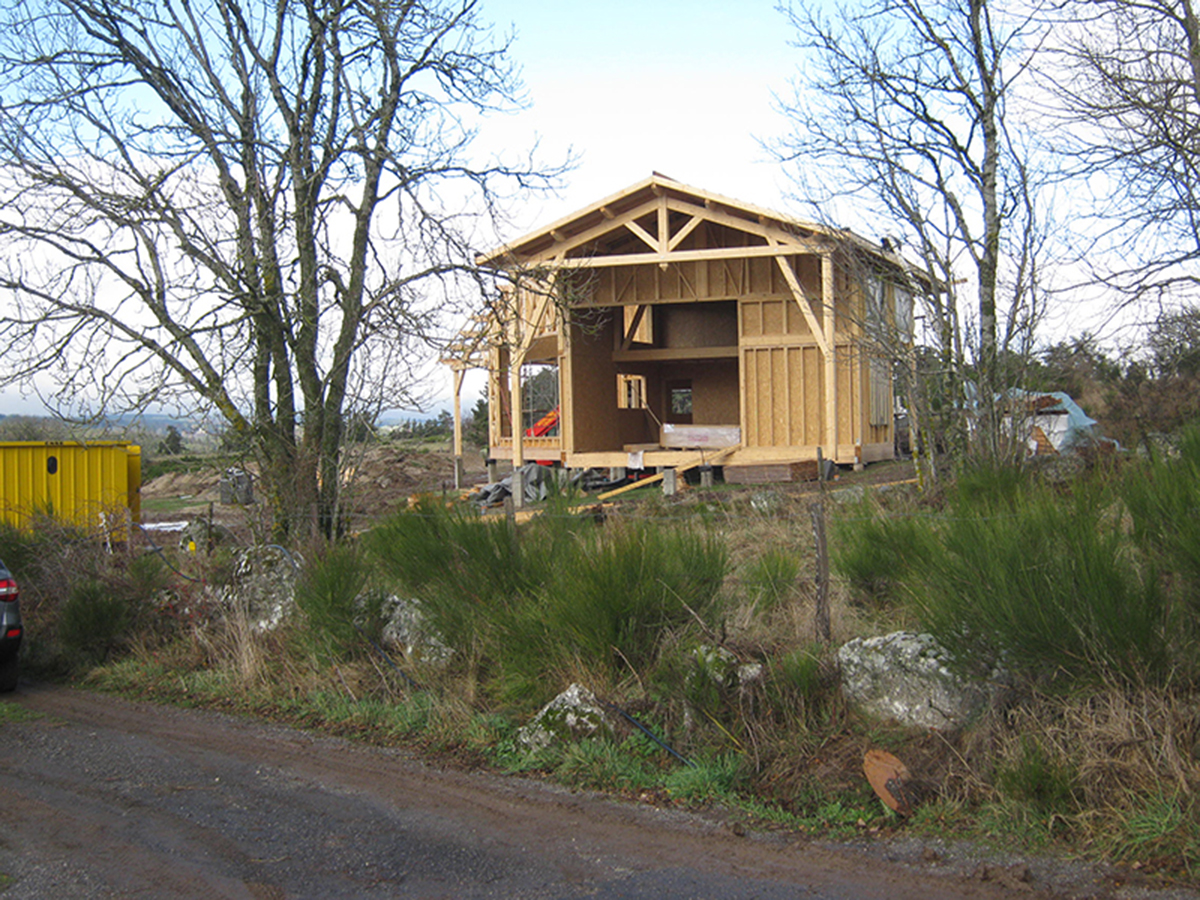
(716, 279)
(697, 325)
(784, 396)
(593, 386)
(715, 399)
(849, 397)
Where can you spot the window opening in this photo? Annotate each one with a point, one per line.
(539, 400)
(679, 402)
(631, 392)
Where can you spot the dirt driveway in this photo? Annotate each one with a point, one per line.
(101, 797)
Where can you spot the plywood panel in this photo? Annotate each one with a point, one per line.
(698, 325)
(772, 317)
(751, 313)
(814, 395)
(761, 269)
(784, 393)
(848, 430)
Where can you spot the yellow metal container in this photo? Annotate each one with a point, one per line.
(95, 485)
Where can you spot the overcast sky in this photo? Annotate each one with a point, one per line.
(682, 87)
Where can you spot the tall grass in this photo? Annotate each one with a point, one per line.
(1048, 589)
(530, 608)
(1017, 572)
(337, 612)
(1163, 500)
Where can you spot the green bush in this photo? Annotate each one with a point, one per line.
(1163, 499)
(878, 554)
(330, 594)
(1015, 571)
(92, 623)
(612, 599)
(559, 595)
(1049, 589)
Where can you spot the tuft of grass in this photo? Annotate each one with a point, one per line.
(771, 578)
(1163, 826)
(1039, 779)
(603, 765)
(718, 778)
(11, 713)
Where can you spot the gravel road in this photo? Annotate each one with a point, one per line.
(101, 797)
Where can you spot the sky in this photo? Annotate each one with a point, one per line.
(681, 88)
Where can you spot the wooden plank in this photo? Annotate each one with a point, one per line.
(664, 226)
(643, 234)
(767, 232)
(683, 232)
(701, 460)
(590, 234)
(633, 326)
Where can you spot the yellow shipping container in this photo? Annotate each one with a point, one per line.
(95, 484)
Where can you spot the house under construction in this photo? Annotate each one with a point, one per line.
(666, 325)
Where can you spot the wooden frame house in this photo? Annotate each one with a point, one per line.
(665, 325)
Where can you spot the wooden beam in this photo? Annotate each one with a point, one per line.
(514, 398)
(642, 233)
(802, 301)
(683, 232)
(831, 399)
(670, 354)
(590, 234)
(718, 215)
(664, 230)
(641, 259)
(458, 438)
(607, 213)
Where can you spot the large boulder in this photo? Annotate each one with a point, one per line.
(409, 631)
(903, 676)
(573, 714)
(263, 587)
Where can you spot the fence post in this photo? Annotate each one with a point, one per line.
(821, 613)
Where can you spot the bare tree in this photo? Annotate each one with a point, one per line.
(903, 109)
(1128, 78)
(258, 206)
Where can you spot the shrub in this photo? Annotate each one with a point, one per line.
(1048, 588)
(527, 607)
(92, 622)
(612, 599)
(330, 595)
(878, 554)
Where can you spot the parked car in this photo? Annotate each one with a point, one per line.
(10, 629)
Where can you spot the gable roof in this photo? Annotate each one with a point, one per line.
(619, 211)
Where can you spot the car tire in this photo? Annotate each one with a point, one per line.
(8, 674)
